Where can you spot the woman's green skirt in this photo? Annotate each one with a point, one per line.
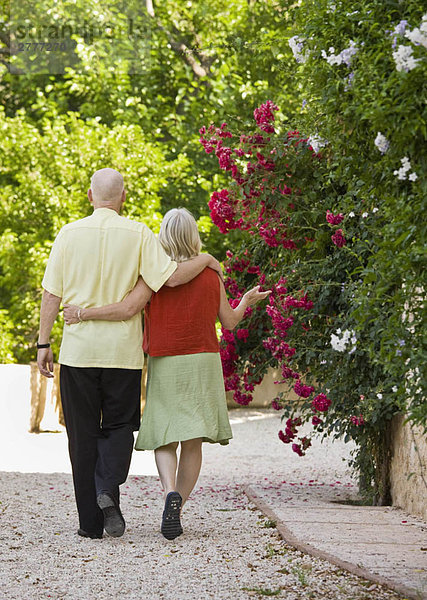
(185, 400)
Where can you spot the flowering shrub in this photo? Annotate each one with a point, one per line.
(343, 322)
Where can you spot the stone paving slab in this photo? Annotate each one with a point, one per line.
(380, 543)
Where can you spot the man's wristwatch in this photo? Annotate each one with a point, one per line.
(42, 346)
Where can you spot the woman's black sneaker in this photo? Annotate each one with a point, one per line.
(171, 521)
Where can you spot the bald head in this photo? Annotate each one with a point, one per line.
(107, 188)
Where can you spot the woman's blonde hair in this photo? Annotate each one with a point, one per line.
(179, 235)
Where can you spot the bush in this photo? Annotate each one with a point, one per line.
(332, 221)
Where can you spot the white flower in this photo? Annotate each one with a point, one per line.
(379, 396)
(413, 177)
(374, 210)
(402, 172)
(296, 44)
(404, 59)
(351, 214)
(381, 143)
(394, 388)
(416, 36)
(345, 56)
(339, 344)
(316, 142)
(336, 343)
(364, 215)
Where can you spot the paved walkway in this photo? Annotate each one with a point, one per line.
(230, 547)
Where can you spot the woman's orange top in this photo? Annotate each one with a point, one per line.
(181, 320)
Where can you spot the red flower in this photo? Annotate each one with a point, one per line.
(243, 399)
(242, 334)
(275, 404)
(264, 116)
(297, 448)
(321, 403)
(303, 390)
(305, 442)
(338, 238)
(334, 219)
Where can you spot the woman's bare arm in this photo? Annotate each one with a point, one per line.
(119, 311)
(230, 317)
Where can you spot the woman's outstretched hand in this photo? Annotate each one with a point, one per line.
(71, 314)
(254, 295)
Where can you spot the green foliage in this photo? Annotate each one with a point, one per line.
(176, 75)
(349, 114)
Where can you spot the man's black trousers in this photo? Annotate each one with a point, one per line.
(101, 410)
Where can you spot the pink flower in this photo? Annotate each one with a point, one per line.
(283, 437)
(305, 442)
(243, 399)
(275, 404)
(357, 420)
(227, 335)
(303, 390)
(321, 403)
(232, 382)
(242, 334)
(223, 211)
(316, 421)
(290, 433)
(338, 238)
(334, 219)
(264, 115)
(297, 448)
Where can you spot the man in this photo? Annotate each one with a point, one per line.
(95, 261)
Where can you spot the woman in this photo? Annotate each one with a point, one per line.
(185, 388)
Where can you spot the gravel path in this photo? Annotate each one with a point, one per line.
(228, 549)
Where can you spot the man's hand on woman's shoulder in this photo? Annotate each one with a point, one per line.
(215, 265)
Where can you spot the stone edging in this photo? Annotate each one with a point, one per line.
(292, 540)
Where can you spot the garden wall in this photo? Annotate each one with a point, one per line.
(408, 473)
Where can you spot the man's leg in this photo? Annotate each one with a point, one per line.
(121, 392)
(81, 402)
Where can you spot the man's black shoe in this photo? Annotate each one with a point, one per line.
(93, 536)
(114, 523)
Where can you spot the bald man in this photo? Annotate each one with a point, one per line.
(96, 261)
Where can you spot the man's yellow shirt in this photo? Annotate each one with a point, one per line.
(97, 261)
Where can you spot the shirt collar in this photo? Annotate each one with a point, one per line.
(99, 212)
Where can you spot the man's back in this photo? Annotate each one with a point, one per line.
(97, 261)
